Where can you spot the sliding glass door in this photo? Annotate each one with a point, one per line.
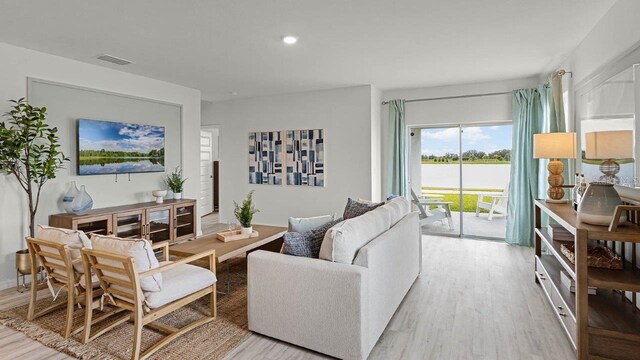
(462, 172)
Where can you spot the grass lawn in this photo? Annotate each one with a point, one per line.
(467, 162)
(468, 200)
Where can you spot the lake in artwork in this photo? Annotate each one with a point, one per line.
(106, 147)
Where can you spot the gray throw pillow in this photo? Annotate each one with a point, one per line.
(307, 243)
(356, 208)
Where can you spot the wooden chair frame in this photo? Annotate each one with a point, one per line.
(132, 300)
(70, 281)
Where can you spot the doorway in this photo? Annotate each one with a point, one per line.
(208, 175)
(461, 175)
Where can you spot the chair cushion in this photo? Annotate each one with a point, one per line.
(355, 208)
(74, 239)
(179, 282)
(304, 224)
(141, 252)
(95, 282)
(307, 243)
(398, 207)
(342, 242)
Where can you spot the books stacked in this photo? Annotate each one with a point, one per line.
(558, 233)
(570, 284)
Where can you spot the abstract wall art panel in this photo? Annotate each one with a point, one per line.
(265, 158)
(305, 157)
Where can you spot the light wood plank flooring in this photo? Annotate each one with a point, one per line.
(474, 300)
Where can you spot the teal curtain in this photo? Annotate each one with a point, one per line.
(528, 116)
(398, 180)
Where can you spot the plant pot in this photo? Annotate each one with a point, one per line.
(598, 204)
(177, 196)
(23, 262)
(246, 230)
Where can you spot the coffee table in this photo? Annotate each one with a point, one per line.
(270, 238)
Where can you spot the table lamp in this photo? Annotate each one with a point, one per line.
(555, 146)
(609, 146)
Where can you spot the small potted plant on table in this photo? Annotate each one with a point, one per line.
(175, 183)
(244, 213)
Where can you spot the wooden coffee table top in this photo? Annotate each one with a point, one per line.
(227, 250)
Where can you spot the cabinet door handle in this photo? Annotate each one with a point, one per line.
(562, 314)
(559, 307)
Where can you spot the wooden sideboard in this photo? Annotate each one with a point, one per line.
(173, 220)
(601, 326)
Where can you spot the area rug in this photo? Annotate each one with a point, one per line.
(210, 341)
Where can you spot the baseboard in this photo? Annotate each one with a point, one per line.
(8, 283)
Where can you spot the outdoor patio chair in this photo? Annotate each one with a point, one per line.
(497, 202)
(427, 215)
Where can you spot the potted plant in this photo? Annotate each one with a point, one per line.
(244, 213)
(175, 183)
(29, 151)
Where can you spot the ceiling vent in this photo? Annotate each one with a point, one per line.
(114, 60)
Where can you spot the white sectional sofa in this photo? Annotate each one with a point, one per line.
(339, 309)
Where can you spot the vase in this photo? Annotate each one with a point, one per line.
(598, 204)
(71, 193)
(246, 230)
(177, 195)
(82, 203)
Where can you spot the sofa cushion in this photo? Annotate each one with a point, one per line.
(303, 224)
(398, 208)
(141, 252)
(342, 242)
(179, 282)
(355, 208)
(306, 243)
(74, 239)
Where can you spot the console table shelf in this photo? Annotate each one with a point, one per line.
(602, 326)
(173, 220)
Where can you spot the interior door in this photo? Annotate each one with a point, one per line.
(205, 200)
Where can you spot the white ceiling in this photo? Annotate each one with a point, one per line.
(234, 45)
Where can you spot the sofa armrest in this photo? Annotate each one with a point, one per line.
(313, 303)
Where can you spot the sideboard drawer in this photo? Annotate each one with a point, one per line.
(545, 281)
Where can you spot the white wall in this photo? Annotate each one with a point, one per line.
(17, 65)
(452, 111)
(345, 115)
(615, 33)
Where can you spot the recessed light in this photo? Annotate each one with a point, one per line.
(289, 39)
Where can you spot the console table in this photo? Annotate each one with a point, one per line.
(173, 220)
(602, 326)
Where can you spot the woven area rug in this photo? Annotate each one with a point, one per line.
(210, 341)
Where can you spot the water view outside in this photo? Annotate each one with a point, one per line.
(106, 147)
(486, 166)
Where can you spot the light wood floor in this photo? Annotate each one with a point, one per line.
(474, 300)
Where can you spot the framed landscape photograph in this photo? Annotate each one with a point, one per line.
(106, 147)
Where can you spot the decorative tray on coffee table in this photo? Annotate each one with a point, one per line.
(234, 235)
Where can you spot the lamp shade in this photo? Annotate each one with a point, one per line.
(609, 144)
(554, 146)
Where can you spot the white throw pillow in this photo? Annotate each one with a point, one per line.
(141, 252)
(74, 239)
(342, 242)
(398, 207)
(305, 224)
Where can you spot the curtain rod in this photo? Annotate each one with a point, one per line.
(454, 97)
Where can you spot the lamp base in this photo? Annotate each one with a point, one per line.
(555, 180)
